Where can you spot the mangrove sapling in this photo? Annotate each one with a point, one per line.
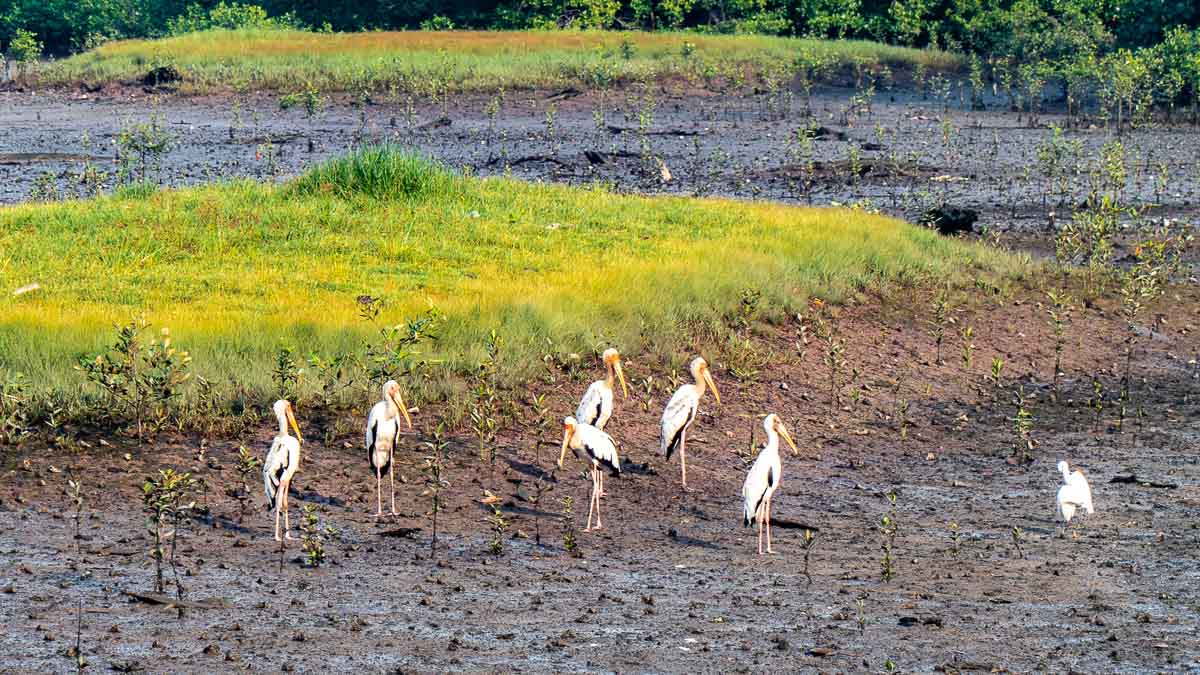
(939, 318)
(955, 536)
(286, 373)
(888, 529)
(313, 536)
(967, 336)
(140, 148)
(434, 470)
(164, 499)
(1022, 421)
(247, 466)
(809, 541)
(570, 537)
(15, 404)
(74, 493)
(540, 488)
(1017, 535)
(141, 376)
(1059, 311)
(499, 524)
(485, 400)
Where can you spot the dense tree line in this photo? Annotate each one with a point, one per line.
(1023, 30)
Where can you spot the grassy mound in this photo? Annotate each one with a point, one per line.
(240, 269)
(434, 62)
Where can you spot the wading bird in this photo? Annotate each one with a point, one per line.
(597, 448)
(283, 459)
(383, 432)
(1074, 494)
(763, 479)
(681, 411)
(596, 406)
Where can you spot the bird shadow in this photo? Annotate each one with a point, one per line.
(317, 498)
(531, 470)
(691, 542)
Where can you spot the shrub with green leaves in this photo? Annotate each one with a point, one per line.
(141, 375)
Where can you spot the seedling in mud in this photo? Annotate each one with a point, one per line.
(435, 479)
(967, 335)
(499, 524)
(485, 400)
(1022, 422)
(313, 536)
(939, 317)
(1017, 535)
(861, 604)
(1059, 311)
(165, 499)
(74, 493)
(955, 536)
(247, 466)
(541, 424)
(540, 488)
(809, 541)
(888, 529)
(570, 535)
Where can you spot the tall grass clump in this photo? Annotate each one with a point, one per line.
(378, 172)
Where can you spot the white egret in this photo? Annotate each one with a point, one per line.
(383, 432)
(681, 411)
(1075, 493)
(283, 460)
(598, 449)
(596, 406)
(763, 479)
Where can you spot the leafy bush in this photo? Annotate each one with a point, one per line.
(231, 16)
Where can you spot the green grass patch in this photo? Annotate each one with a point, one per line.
(430, 62)
(238, 270)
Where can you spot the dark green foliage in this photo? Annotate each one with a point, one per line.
(1056, 31)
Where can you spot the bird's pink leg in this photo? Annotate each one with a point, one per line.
(591, 503)
(392, 479)
(759, 520)
(599, 494)
(378, 493)
(768, 519)
(287, 526)
(277, 538)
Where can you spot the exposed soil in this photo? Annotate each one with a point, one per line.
(709, 144)
(672, 583)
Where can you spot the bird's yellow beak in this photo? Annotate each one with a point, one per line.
(399, 401)
(292, 420)
(621, 377)
(566, 441)
(712, 385)
(788, 437)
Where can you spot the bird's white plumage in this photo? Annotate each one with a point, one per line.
(383, 427)
(1075, 493)
(283, 459)
(596, 406)
(596, 447)
(677, 416)
(763, 478)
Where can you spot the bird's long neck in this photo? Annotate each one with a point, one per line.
(611, 377)
(389, 408)
(772, 441)
(283, 430)
(701, 385)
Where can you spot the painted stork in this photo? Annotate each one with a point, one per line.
(681, 411)
(596, 406)
(763, 479)
(283, 460)
(597, 448)
(1074, 494)
(383, 432)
